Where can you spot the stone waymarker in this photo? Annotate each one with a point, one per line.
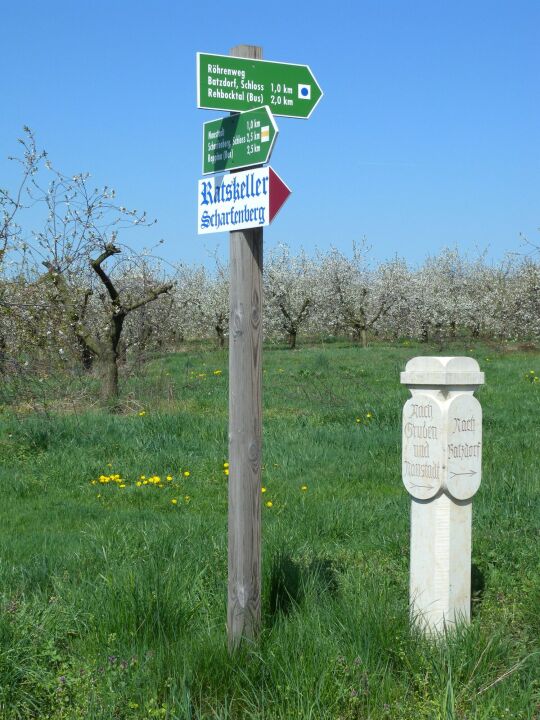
(442, 454)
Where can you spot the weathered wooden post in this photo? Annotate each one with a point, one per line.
(245, 424)
(243, 202)
(442, 454)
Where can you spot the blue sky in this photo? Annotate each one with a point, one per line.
(427, 134)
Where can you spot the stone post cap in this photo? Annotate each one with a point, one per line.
(442, 371)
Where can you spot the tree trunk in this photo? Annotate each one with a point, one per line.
(439, 336)
(221, 335)
(109, 379)
(122, 352)
(2, 352)
(363, 336)
(86, 355)
(291, 339)
(108, 361)
(359, 335)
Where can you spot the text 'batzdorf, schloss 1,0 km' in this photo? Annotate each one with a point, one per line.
(238, 84)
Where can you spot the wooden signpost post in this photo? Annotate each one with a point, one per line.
(244, 202)
(245, 425)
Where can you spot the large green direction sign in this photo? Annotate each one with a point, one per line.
(238, 141)
(236, 84)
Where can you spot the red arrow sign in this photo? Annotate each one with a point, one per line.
(279, 192)
(241, 200)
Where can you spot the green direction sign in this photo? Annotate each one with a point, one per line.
(236, 84)
(238, 141)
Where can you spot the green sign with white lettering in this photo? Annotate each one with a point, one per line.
(237, 84)
(238, 141)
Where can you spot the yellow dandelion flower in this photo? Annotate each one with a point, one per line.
(226, 471)
(217, 372)
(94, 482)
(169, 478)
(303, 487)
(138, 483)
(174, 501)
(225, 464)
(122, 485)
(186, 473)
(369, 415)
(269, 504)
(145, 482)
(358, 420)
(142, 413)
(263, 489)
(187, 498)
(143, 477)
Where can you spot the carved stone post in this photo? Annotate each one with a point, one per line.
(442, 455)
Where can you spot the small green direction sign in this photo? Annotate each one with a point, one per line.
(231, 83)
(238, 141)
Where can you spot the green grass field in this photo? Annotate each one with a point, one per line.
(113, 591)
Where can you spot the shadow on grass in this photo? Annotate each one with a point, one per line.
(478, 584)
(291, 582)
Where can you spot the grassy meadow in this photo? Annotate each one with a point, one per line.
(113, 548)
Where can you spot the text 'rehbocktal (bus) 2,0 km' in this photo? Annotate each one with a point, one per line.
(238, 84)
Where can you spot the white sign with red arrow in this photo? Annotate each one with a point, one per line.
(239, 201)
